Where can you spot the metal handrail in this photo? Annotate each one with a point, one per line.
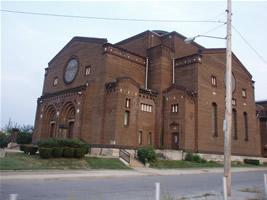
(125, 155)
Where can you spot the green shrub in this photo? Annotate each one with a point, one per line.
(85, 148)
(4, 139)
(45, 152)
(26, 149)
(68, 152)
(21, 147)
(188, 156)
(252, 161)
(73, 143)
(30, 149)
(57, 152)
(64, 147)
(33, 150)
(203, 160)
(194, 158)
(79, 152)
(48, 143)
(146, 154)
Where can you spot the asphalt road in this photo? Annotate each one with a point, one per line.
(127, 188)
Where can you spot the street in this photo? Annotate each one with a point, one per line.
(131, 188)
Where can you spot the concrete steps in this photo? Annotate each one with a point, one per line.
(135, 163)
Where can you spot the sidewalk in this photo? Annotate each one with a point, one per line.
(62, 174)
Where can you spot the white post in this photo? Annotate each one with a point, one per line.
(173, 71)
(157, 196)
(228, 101)
(13, 196)
(265, 185)
(146, 72)
(224, 188)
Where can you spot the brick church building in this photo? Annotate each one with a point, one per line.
(149, 89)
(261, 108)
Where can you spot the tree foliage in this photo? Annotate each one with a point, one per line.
(24, 133)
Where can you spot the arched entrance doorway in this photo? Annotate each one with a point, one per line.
(67, 121)
(175, 140)
(49, 122)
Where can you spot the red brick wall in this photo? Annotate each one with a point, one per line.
(214, 65)
(101, 109)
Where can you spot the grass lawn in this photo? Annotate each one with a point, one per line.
(176, 164)
(21, 161)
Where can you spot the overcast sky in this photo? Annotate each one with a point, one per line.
(29, 42)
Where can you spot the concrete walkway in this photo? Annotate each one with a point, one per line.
(62, 174)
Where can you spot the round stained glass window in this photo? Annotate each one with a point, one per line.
(71, 70)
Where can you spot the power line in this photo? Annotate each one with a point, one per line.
(214, 28)
(110, 18)
(249, 45)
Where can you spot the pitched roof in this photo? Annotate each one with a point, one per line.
(122, 49)
(223, 50)
(79, 39)
(160, 34)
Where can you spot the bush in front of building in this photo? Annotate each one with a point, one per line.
(85, 147)
(25, 148)
(68, 152)
(48, 143)
(79, 152)
(45, 152)
(65, 147)
(29, 149)
(57, 152)
(32, 149)
(252, 161)
(21, 147)
(146, 154)
(194, 158)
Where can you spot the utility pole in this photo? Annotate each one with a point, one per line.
(228, 101)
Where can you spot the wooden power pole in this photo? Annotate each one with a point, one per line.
(228, 101)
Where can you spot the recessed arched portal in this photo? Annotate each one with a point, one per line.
(49, 122)
(67, 120)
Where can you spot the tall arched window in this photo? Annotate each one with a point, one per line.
(234, 124)
(214, 126)
(246, 125)
(126, 119)
(140, 133)
(149, 138)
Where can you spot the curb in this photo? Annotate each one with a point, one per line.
(29, 175)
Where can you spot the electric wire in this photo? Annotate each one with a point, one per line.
(222, 23)
(110, 18)
(214, 28)
(249, 45)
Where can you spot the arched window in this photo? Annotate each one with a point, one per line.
(149, 138)
(246, 125)
(126, 118)
(234, 124)
(140, 137)
(214, 125)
